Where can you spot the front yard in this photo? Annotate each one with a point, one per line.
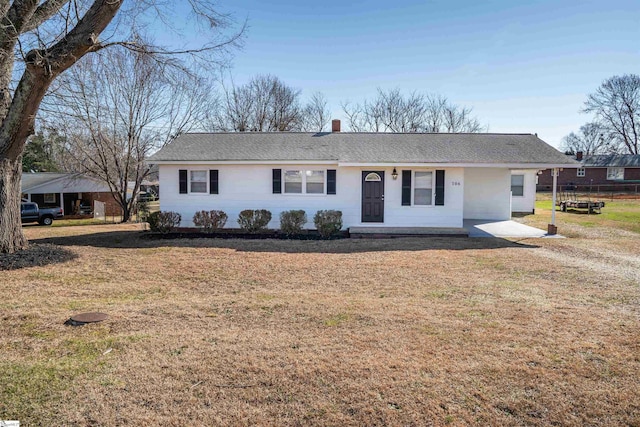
(366, 332)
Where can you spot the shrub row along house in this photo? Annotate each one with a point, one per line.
(375, 179)
(602, 172)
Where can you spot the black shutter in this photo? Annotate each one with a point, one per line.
(406, 188)
(277, 181)
(213, 181)
(183, 181)
(439, 188)
(331, 181)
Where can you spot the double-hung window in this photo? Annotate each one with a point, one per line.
(517, 185)
(198, 181)
(315, 182)
(304, 181)
(423, 188)
(615, 174)
(293, 181)
(580, 173)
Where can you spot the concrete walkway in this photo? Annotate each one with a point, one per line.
(489, 228)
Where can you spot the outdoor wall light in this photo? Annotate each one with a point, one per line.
(394, 174)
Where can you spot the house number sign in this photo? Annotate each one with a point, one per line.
(456, 183)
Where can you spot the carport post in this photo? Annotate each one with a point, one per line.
(552, 229)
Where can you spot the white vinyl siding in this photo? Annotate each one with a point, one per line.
(250, 187)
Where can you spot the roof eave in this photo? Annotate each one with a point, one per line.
(537, 165)
(464, 165)
(243, 162)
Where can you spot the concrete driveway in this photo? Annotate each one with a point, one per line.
(491, 228)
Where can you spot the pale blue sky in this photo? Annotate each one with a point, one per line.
(522, 66)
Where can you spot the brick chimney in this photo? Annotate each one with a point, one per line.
(335, 125)
(579, 156)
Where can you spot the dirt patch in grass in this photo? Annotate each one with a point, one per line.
(394, 332)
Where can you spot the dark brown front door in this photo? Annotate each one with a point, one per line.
(372, 196)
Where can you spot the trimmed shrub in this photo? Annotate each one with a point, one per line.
(253, 221)
(210, 221)
(164, 222)
(291, 222)
(328, 223)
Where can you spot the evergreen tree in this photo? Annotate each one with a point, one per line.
(38, 154)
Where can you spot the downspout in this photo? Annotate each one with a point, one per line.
(552, 229)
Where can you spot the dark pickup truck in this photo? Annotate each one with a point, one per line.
(31, 213)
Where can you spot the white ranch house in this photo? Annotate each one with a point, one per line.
(375, 179)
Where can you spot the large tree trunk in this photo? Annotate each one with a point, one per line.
(126, 212)
(11, 237)
(42, 66)
(16, 128)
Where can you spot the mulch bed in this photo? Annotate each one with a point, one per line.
(35, 255)
(239, 234)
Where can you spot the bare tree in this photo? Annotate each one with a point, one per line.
(265, 104)
(120, 106)
(590, 139)
(392, 111)
(315, 115)
(616, 105)
(360, 117)
(459, 120)
(39, 40)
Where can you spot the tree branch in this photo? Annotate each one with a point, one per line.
(45, 11)
(42, 66)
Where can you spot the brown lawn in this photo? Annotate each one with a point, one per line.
(367, 332)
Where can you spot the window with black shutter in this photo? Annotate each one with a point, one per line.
(331, 181)
(277, 181)
(182, 173)
(439, 188)
(213, 181)
(406, 188)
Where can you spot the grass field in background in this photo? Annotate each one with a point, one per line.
(618, 213)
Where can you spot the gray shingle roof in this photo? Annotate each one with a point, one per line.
(476, 148)
(34, 179)
(612, 160)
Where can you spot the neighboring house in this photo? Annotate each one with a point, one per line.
(73, 192)
(604, 172)
(375, 179)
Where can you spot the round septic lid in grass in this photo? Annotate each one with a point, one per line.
(83, 318)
